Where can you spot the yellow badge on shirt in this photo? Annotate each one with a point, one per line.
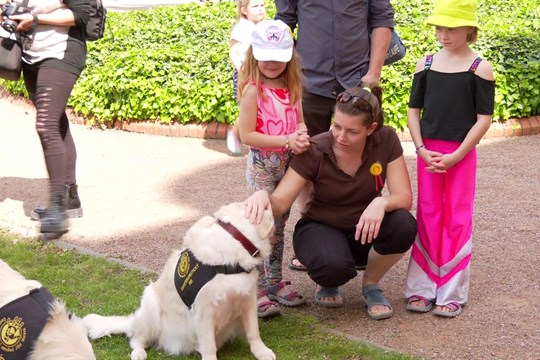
(376, 170)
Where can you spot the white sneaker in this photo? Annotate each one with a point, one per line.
(233, 143)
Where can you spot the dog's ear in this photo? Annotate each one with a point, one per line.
(266, 228)
(206, 221)
(232, 213)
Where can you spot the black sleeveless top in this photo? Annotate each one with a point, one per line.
(450, 102)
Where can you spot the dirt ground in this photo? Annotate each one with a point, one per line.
(141, 192)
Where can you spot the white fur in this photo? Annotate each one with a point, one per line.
(62, 338)
(225, 307)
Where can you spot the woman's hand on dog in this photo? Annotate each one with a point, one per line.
(256, 204)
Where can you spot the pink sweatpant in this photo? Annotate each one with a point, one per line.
(440, 259)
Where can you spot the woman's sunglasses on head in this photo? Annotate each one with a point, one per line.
(362, 105)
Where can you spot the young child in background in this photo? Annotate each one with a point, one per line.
(450, 110)
(250, 13)
(271, 123)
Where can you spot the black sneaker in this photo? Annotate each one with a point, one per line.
(73, 205)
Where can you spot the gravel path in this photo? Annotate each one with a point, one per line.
(140, 193)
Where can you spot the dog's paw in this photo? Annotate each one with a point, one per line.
(264, 353)
(138, 354)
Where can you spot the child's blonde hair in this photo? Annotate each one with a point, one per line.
(292, 76)
(241, 4)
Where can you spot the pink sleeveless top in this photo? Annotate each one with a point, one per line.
(275, 114)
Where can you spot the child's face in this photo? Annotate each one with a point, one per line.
(271, 69)
(254, 11)
(452, 38)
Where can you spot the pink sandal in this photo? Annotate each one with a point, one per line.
(426, 304)
(454, 307)
(293, 298)
(266, 308)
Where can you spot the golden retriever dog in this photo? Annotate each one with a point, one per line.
(177, 318)
(36, 326)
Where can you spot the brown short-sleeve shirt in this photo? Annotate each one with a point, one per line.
(338, 199)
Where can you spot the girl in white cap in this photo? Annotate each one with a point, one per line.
(250, 13)
(450, 110)
(272, 125)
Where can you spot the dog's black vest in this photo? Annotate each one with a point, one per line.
(191, 275)
(21, 323)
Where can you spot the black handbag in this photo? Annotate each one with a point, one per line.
(10, 59)
(396, 50)
(11, 53)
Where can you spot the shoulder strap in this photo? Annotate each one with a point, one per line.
(429, 61)
(43, 297)
(475, 64)
(230, 269)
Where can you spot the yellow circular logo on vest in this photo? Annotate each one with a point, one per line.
(12, 334)
(183, 265)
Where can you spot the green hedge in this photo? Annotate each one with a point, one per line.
(171, 63)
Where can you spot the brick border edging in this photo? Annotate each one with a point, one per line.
(205, 130)
(214, 130)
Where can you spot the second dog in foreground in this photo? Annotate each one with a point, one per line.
(205, 294)
(36, 326)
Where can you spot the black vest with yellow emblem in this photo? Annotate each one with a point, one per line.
(21, 323)
(191, 275)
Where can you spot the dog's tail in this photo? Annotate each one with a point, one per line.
(99, 326)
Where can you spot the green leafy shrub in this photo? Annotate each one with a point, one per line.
(171, 63)
(168, 63)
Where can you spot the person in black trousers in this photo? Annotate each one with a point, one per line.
(54, 55)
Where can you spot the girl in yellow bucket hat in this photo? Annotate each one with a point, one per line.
(450, 109)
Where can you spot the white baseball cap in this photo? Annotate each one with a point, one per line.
(272, 41)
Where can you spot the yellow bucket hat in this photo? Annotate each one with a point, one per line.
(454, 13)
